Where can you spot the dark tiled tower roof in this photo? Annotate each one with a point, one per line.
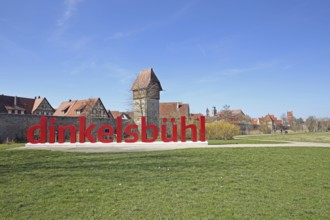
(145, 80)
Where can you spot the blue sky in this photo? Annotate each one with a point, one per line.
(261, 56)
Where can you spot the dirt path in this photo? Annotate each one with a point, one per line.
(115, 148)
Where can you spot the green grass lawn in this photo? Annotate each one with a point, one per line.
(320, 137)
(240, 183)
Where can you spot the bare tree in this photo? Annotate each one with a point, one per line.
(285, 121)
(324, 124)
(226, 114)
(264, 128)
(246, 124)
(311, 124)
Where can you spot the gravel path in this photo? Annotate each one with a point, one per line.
(115, 148)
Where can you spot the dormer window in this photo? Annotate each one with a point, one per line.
(65, 110)
(80, 110)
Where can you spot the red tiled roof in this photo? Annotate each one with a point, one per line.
(37, 102)
(173, 109)
(116, 114)
(237, 112)
(130, 114)
(234, 112)
(279, 122)
(272, 117)
(254, 121)
(110, 114)
(195, 117)
(268, 117)
(145, 79)
(72, 107)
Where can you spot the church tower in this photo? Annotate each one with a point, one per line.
(146, 93)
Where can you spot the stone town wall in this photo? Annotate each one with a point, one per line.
(15, 127)
(153, 112)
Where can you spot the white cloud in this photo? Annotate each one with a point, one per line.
(258, 66)
(119, 35)
(81, 43)
(239, 71)
(201, 49)
(114, 71)
(69, 10)
(156, 24)
(184, 10)
(57, 37)
(103, 69)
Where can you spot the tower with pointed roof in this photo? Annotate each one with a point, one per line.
(146, 94)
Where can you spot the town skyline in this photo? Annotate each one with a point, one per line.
(210, 112)
(256, 56)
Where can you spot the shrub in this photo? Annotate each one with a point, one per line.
(221, 130)
(265, 129)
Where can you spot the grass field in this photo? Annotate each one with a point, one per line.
(320, 137)
(230, 183)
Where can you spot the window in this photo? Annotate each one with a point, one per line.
(65, 110)
(9, 112)
(78, 112)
